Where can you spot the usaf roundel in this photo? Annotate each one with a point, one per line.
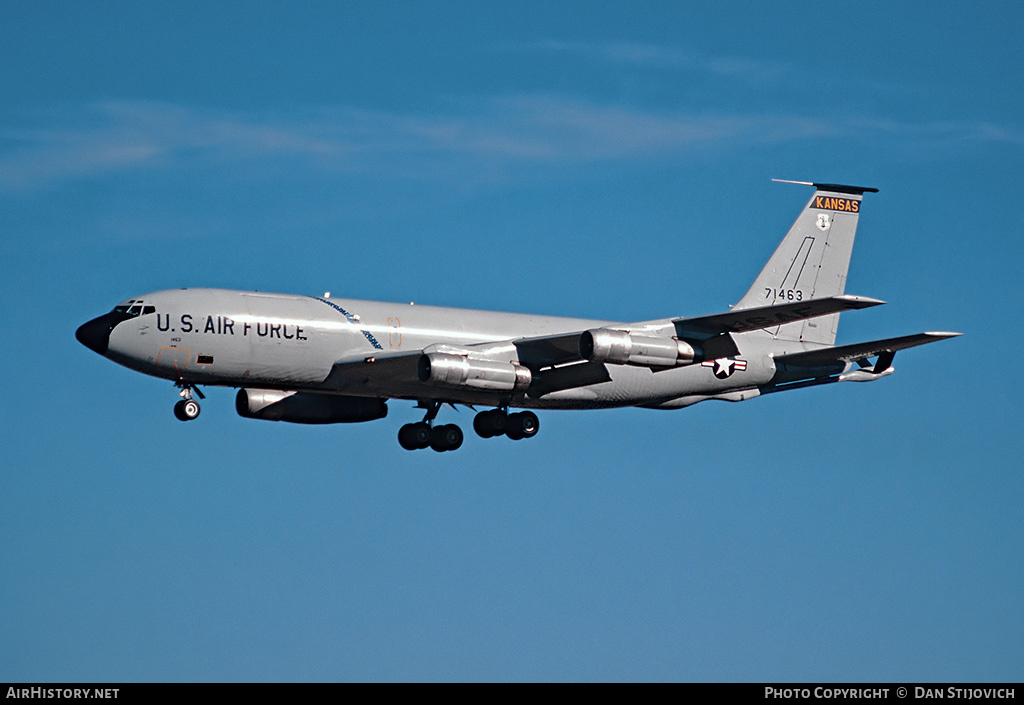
(723, 367)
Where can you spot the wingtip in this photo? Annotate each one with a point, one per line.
(861, 301)
(942, 334)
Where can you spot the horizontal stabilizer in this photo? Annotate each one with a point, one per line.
(861, 351)
(740, 321)
(833, 188)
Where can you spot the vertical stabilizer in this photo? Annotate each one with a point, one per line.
(811, 262)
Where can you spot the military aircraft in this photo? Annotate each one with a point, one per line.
(321, 359)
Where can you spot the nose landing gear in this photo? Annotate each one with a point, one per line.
(188, 408)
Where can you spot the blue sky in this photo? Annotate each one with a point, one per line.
(587, 159)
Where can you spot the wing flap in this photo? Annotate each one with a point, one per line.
(548, 351)
(373, 373)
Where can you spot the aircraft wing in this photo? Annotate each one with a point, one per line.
(861, 351)
(743, 320)
(561, 349)
(396, 374)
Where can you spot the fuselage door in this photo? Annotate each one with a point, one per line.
(173, 359)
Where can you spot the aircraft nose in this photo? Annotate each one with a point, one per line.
(95, 334)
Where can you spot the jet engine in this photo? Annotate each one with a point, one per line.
(302, 407)
(623, 348)
(461, 371)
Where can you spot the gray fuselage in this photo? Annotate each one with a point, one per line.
(289, 342)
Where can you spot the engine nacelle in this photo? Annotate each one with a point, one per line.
(301, 407)
(623, 348)
(462, 371)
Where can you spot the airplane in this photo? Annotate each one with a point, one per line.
(321, 359)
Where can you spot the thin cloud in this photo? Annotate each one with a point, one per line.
(940, 132)
(118, 136)
(673, 58)
(752, 73)
(485, 134)
(585, 132)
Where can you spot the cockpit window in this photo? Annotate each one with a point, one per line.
(134, 308)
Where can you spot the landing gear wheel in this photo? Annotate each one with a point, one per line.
(522, 425)
(444, 438)
(413, 436)
(186, 409)
(489, 424)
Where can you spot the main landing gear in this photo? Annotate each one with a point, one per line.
(487, 424)
(188, 408)
(414, 436)
(498, 422)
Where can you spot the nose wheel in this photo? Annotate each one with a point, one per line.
(188, 408)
